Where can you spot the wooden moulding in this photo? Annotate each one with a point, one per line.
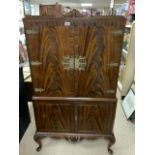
(72, 99)
(62, 134)
(36, 21)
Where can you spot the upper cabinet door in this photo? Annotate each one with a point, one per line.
(49, 45)
(74, 56)
(98, 45)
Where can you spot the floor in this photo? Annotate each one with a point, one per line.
(125, 140)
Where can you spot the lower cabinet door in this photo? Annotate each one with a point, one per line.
(96, 117)
(54, 116)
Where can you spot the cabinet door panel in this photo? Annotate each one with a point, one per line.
(54, 117)
(47, 49)
(101, 47)
(92, 118)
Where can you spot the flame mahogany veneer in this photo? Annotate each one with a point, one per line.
(74, 98)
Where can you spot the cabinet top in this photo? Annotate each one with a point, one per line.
(108, 21)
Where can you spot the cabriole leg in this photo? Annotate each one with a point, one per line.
(112, 140)
(38, 140)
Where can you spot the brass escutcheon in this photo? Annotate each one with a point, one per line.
(74, 63)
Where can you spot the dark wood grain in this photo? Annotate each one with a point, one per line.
(56, 117)
(99, 78)
(95, 118)
(70, 102)
(75, 99)
(97, 43)
(53, 43)
(75, 116)
(108, 21)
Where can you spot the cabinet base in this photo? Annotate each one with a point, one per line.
(73, 138)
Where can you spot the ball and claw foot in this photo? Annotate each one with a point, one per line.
(110, 151)
(38, 148)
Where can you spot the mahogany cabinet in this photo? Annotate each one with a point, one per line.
(74, 65)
